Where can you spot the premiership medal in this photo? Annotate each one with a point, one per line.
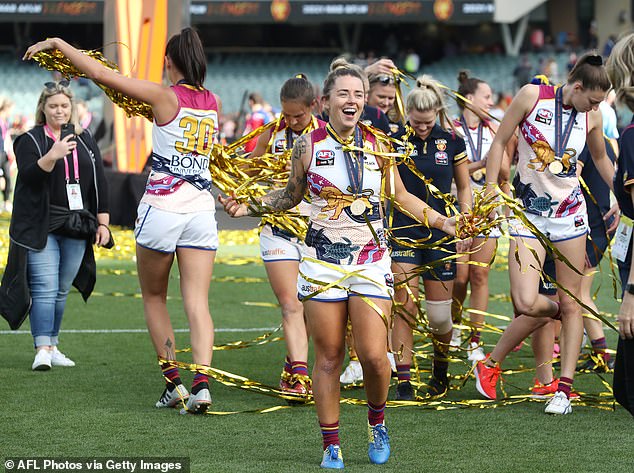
(357, 207)
(477, 175)
(556, 167)
(354, 168)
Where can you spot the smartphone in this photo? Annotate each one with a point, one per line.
(67, 129)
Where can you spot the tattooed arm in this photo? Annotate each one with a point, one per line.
(282, 199)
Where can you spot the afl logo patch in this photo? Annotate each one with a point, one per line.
(280, 145)
(389, 280)
(441, 144)
(325, 157)
(544, 116)
(442, 158)
(579, 221)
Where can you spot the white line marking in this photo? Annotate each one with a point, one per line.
(141, 330)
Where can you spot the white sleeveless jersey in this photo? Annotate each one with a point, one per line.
(336, 235)
(180, 180)
(542, 192)
(477, 179)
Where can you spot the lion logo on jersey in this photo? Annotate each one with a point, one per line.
(338, 201)
(544, 154)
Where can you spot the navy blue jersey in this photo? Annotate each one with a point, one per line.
(435, 158)
(624, 176)
(376, 118)
(599, 189)
(396, 130)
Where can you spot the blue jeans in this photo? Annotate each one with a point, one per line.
(51, 272)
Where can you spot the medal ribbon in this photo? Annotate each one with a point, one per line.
(51, 135)
(290, 139)
(354, 167)
(562, 137)
(476, 150)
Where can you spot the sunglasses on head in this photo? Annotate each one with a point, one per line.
(385, 80)
(53, 85)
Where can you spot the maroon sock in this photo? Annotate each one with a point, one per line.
(565, 385)
(288, 366)
(201, 381)
(330, 434)
(376, 413)
(300, 368)
(475, 337)
(170, 371)
(599, 347)
(403, 372)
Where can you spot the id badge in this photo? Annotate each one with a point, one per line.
(75, 202)
(622, 238)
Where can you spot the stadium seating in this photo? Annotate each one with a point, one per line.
(232, 76)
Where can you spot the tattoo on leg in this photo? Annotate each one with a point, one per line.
(169, 350)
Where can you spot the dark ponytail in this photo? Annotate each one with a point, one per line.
(589, 70)
(298, 88)
(186, 51)
(468, 85)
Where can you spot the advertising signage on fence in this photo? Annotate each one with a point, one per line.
(52, 11)
(372, 11)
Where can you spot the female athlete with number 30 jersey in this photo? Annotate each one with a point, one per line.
(177, 212)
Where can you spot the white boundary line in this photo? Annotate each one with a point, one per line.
(140, 330)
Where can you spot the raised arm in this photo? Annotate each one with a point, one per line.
(161, 98)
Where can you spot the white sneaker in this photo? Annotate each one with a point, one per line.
(173, 397)
(476, 353)
(456, 339)
(558, 404)
(59, 359)
(390, 357)
(352, 374)
(197, 403)
(42, 360)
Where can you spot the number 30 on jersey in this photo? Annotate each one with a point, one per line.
(198, 135)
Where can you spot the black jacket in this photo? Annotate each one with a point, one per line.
(30, 219)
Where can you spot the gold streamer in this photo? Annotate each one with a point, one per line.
(54, 60)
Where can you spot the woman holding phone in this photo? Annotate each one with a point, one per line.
(60, 173)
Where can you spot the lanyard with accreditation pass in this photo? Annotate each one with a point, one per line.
(622, 238)
(73, 191)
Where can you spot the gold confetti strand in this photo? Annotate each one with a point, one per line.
(54, 60)
(454, 94)
(399, 102)
(250, 179)
(264, 339)
(613, 266)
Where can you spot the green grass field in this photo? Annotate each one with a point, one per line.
(105, 405)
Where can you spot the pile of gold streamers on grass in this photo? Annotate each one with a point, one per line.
(423, 347)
